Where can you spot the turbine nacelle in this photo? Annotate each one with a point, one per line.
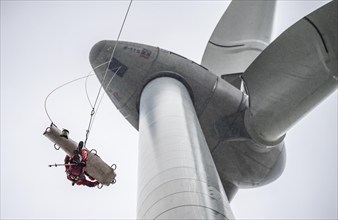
(120, 74)
(219, 106)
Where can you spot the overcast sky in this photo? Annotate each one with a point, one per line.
(46, 43)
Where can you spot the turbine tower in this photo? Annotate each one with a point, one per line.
(207, 130)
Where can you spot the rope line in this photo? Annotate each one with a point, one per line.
(92, 113)
(86, 89)
(69, 82)
(112, 54)
(86, 83)
(91, 120)
(98, 106)
(74, 80)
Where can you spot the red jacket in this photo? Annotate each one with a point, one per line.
(76, 172)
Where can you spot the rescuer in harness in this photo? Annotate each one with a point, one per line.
(75, 168)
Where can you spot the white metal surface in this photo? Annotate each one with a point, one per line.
(293, 75)
(177, 175)
(242, 33)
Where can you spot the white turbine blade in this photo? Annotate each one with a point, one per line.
(243, 32)
(293, 74)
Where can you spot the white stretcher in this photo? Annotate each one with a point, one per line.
(95, 166)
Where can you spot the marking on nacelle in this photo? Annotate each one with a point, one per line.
(144, 53)
(132, 49)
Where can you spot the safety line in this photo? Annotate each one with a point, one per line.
(92, 113)
(87, 76)
(112, 54)
(98, 106)
(86, 89)
(45, 104)
(69, 82)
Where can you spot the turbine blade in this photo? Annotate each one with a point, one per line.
(242, 33)
(293, 74)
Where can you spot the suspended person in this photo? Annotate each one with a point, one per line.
(75, 168)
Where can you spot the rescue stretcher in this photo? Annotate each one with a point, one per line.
(95, 166)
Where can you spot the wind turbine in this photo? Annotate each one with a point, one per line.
(207, 130)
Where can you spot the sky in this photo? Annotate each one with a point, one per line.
(46, 43)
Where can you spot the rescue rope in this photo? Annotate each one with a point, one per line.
(86, 88)
(59, 87)
(98, 106)
(67, 83)
(92, 113)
